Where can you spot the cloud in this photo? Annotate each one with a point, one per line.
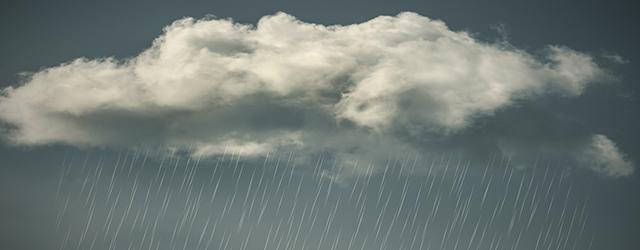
(215, 84)
(603, 156)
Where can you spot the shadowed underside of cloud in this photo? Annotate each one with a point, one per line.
(402, 83)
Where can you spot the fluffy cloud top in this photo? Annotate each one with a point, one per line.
(215, 83)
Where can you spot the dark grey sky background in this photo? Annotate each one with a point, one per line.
(39, 34)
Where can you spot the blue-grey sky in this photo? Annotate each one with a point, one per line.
(529, 89)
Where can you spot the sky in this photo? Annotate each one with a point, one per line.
(283, 114)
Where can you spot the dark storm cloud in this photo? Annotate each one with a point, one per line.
(402, 83)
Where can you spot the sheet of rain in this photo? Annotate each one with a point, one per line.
(146, 200)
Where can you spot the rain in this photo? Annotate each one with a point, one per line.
(159, 200)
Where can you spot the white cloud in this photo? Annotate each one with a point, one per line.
(603, 156)
(215, 83)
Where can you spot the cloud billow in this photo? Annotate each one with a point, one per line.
(217, 85)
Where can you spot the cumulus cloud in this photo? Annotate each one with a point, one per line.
(216, 84)
(603, 156)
